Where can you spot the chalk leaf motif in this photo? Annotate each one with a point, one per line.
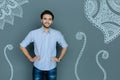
(105, 15)
(9, 9)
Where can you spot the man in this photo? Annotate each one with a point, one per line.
(44, 39)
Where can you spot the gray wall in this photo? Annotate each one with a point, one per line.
(92, 33)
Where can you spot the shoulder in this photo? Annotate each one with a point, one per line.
(55, 31)
(35, 31)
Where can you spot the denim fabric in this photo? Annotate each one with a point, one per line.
(40, 74)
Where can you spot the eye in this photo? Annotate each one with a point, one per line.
(45, 18)
(50, 19)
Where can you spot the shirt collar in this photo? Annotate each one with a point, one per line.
(42, 29)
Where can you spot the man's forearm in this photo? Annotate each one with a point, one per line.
(62, 53)
(26, 53)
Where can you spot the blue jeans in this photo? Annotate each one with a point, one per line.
(40, 74)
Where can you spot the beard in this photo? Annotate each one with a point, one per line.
(46, 25)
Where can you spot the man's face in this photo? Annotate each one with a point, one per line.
(46, 20)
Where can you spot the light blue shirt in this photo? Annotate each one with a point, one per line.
(44, 46)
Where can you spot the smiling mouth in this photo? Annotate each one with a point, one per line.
(47, 23)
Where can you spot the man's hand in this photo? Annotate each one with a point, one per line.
(55, 59)
(36, 58)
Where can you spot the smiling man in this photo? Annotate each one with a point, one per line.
(45, 40)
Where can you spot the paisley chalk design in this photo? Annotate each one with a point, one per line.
(80, 36)
(105, 15)
(105, 55)
(10, 47)
(9, 9)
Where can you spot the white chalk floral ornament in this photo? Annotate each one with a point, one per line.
(9, 9)
(105, 15)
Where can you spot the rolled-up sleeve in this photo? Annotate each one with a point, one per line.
(28, 39)
(61, 40)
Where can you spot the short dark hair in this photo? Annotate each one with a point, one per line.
(47, 12)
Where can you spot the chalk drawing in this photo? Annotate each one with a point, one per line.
(9, 9)
(80, 36)
(105, 55)
(10, 47)
(105, 15)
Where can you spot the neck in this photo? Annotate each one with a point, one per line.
(46, 29)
